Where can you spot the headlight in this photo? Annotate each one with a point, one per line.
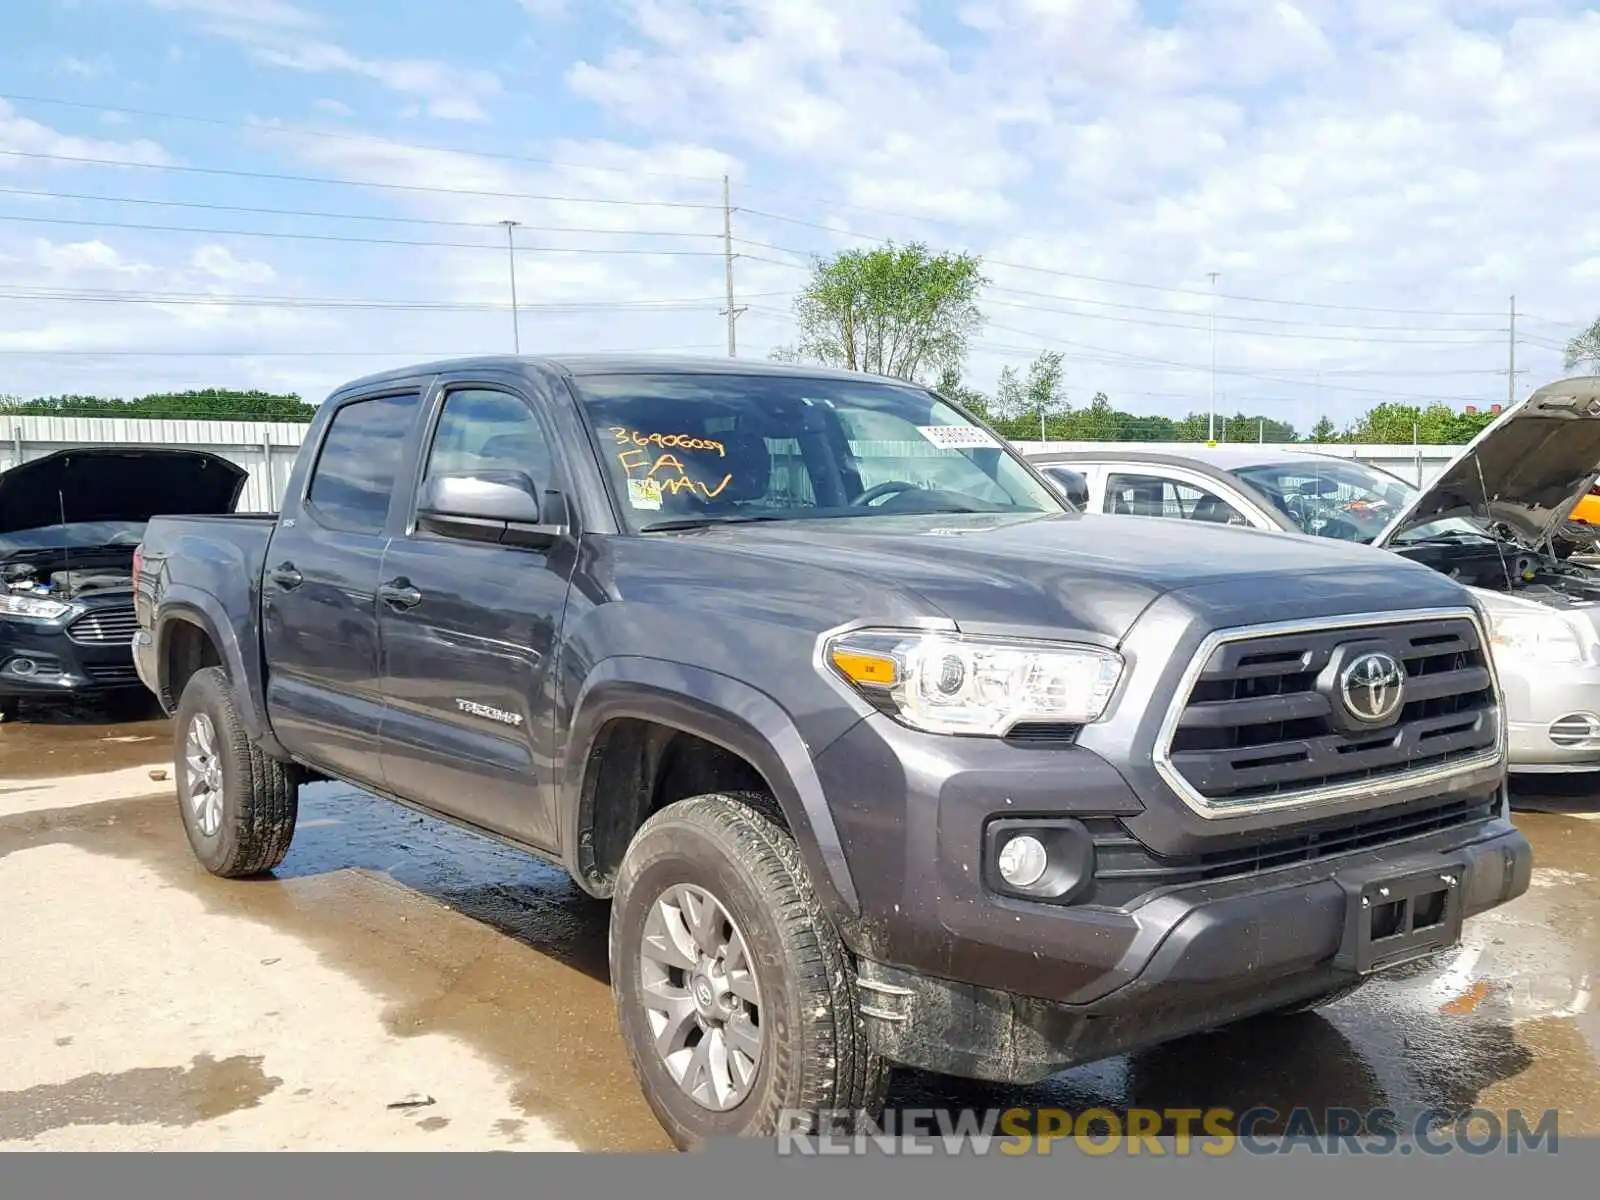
(1540, 637)
(947, 683)
(13, 605)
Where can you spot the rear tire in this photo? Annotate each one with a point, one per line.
(712, 892)
(238, 806)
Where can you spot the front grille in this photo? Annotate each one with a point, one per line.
(1259, 723)
(1126, 870)
(112, 673)
(108, 626)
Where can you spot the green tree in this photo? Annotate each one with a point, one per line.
(1045, 393)
(1010, 399)
(952, 386)
(1324, 431)
(208, 404)
(1584, 349)
(899, 311)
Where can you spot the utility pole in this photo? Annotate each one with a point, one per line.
(1212, 429)
(727, 263)
(511, 260)
(1511, 366)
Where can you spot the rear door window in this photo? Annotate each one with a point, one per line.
(360, 458)
(1157, 496)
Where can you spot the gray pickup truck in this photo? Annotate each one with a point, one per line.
(882, 753)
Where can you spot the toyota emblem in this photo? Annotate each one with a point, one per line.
(1373, 687)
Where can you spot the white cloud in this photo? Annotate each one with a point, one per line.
(449, 93)
(30, 137)
(1404, 155)
(220, 263)
(273, 13)
(279, 33)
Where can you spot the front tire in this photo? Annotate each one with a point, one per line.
(735, 995)
(9, 705)
(237, 805)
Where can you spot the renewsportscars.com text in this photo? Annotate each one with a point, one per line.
(1173, 1132)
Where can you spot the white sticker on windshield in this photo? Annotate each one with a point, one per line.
(958, 437)
(644, 493)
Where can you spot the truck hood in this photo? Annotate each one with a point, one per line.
(1525, 471)
(116, 483)
(1089, 574)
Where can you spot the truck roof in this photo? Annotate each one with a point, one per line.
(612, 364)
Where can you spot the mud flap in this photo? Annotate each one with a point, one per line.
(1397, 916)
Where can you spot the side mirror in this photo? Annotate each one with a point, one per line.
(1070, 484)
(488, 506)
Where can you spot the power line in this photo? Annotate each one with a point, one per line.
(410, 355)
(213, 300)
(346, 216)
(1176, 312)
(1122, 358)
(1257, 333)
(1166, 362)
(367, 183)
(354, 239)
(1178, 291)
(350, 137)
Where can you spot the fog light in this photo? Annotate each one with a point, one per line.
(1022, 861)
(24, 666)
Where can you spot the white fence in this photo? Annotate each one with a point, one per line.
(267, 449)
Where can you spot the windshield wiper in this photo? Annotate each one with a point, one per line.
(1449, 536)
(707, 522)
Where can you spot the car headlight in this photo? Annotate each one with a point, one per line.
(1539, 637)
(13, 605)
(949, 683)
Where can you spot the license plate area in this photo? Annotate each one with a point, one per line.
(1396, 916)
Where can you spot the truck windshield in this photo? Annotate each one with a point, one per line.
(772, 447)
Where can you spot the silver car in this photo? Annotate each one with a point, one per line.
(1495, 519)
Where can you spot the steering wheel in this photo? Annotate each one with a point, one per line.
(890, 487)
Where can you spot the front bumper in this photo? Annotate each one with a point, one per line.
(1553, 716)
(1212, 926)
(40, 660)
(1220, 955)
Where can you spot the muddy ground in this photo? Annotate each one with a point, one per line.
(401, 984)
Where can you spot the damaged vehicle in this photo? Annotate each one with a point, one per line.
(69, 524)
(1496, 519)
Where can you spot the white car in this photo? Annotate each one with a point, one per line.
(1495, 519)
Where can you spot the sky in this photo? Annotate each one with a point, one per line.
(286, 194)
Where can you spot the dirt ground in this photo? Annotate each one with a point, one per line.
(401, 984)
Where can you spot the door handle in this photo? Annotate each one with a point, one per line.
(285, 576)
(399, 593)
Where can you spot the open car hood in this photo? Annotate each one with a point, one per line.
(116, 483)
(1525, 472)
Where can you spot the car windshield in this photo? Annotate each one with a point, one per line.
(684, 447)
(79, 535)
(1345, 499)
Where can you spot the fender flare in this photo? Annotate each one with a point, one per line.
(726, 712)
(192, 606)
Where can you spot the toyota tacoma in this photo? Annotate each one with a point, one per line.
(882, 754)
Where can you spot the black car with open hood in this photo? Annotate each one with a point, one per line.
(69, 525)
